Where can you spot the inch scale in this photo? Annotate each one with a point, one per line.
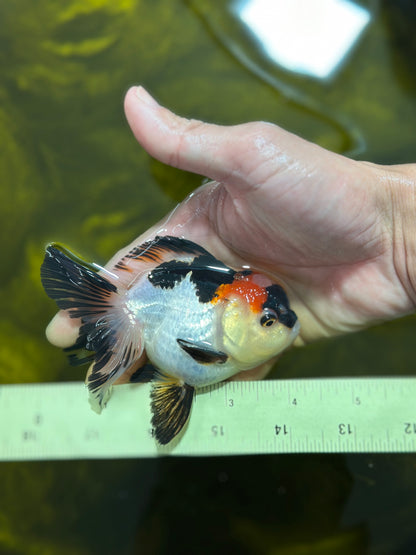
(338, 415)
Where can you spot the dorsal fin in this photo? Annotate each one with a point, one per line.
(158, 250)
(180, 254)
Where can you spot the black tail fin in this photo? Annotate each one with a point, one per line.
(73, 286)
(106, 328)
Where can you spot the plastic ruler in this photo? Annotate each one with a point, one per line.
(345, 415)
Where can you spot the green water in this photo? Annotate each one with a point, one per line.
(71, 171)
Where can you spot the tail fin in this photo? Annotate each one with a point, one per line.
(107, 328)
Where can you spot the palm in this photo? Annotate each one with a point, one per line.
(286, 207)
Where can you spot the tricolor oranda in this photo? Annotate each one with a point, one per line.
(197, 321)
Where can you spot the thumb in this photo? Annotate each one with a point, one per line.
(240, 155)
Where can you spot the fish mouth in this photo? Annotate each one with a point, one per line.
(295, 329)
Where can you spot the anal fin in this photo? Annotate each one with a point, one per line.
(171, 402)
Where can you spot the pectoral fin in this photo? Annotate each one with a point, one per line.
(171, 402)
(202, 352)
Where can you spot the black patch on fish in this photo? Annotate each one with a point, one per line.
(287, 318)
(279, 302)
(171, 403)
(207, 274)
(168, 274)
(202, 353)
(145, 374)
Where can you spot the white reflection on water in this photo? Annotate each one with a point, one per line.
(312, 37)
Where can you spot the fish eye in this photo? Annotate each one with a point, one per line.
(268, 319)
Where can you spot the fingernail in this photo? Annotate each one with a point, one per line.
(145, 97)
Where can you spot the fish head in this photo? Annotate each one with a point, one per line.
(257, 322)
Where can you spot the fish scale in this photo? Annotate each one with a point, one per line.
(177, 313)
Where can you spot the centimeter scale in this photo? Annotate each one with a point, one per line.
(339, 415)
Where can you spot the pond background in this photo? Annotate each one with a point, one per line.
(71, 171)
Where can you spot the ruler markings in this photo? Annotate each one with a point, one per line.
(54, 421)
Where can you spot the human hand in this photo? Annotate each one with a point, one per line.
(338, 233)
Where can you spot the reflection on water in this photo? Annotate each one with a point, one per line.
(331, 127)
(72, 172)
(296, 35)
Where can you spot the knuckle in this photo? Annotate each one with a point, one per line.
(185, 129)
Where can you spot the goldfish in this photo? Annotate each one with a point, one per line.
(169, 313)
